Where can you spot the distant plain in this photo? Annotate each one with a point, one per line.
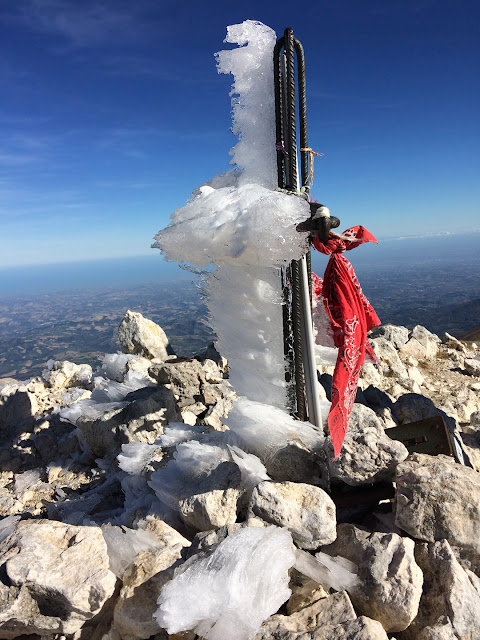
(72, 311)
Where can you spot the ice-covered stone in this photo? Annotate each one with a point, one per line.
(306, 511)
(450, 604)
(390, 581)
(290, 449)
(231, 592)
(141, 336)
(213, 502)
(141, 417)
(202, 483)
(368, 454)
(124, 544)
(439, 499)
(115, 365)
(61, 374)
(60, 579)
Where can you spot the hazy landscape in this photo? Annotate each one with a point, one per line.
(432, 282)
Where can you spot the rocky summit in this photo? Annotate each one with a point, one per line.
(133, 506)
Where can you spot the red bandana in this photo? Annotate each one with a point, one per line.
(351, 316)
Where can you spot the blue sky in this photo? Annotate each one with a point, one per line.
(112, 112)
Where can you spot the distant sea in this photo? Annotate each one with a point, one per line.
(131, 271)
(64, 277)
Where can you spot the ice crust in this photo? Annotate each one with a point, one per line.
(230, 593)
(242, 227)
(193, 461)
(106, 395)
(263, 430)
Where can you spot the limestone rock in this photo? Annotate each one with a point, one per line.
(450, 604)
(61, 374)
(453, 343)
(306, 511)
(331, 618)
(147, 411)
(439, 499)
(305, 592)
(414, 349)
(141, 336)
(329, 611)
(142, 584)
(370, 375)
(472, 366)
(398, 336)
(60, 579)
(297, 463)
(388, 355)
(428, 340)
(390, 580)
(368, 454)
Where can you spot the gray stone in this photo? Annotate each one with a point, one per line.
(297, 463)
(330, 611)
(143, 337)
(306, 511)
(368, 454)
(450, 604)
(475, 419)
(411, 407)
(62, 374)
(305, 592)
(390, 580)
(472, 366)
(398, 336)
(142, 419)
(439, 499)
(60, 579)
(362, 628)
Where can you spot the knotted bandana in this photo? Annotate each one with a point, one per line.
(351, 316)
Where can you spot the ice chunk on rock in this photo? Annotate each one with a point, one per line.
(124, 544)
(336, 573)
(230, 593)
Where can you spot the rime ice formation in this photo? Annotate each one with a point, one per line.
(241, 226)
(230, 593)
